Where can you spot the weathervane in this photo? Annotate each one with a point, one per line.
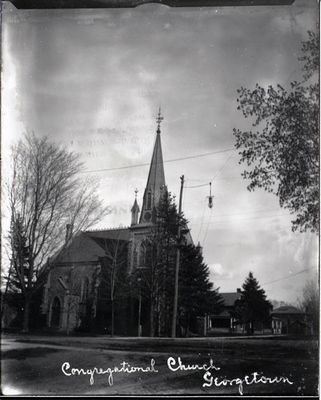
(159, 119)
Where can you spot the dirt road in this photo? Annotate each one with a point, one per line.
(120, 366)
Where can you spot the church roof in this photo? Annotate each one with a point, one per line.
(156, 176)
(115, 234)
(87, 247)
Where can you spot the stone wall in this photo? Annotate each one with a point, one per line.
(68, 290)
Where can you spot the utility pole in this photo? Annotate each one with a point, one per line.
(139, 307)
(177, 261)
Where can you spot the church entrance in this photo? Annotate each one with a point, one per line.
(55, 313)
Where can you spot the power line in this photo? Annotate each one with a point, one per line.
(202, 220)
(211, 210)
(166, 161)
(223, 221)
(196, 186)
(252, 212)
(286, 277)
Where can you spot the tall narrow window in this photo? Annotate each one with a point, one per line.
(85, 290)
(55, 313)
(149, 200)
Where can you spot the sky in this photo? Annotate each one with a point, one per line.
(93, 80)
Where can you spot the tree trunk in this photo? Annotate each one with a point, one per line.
(151, 318)
(26, 313)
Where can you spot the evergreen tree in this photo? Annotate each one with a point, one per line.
(19, 271)
(156, 274)
(155, 270)
(253, 307)
(196, 295)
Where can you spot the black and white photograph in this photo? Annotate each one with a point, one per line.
(160, 198)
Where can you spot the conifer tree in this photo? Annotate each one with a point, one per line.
(156, 273)
(253, 307)
(196, 294)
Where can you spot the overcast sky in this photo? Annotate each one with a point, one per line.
(93, 81)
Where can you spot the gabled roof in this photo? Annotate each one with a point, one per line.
(84, 247)
(287, 310)
(81, 249)
(115, 234)
(230, 298)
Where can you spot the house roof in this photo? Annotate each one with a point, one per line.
(230, 298)
(287, 310)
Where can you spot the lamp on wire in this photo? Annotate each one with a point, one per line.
(210, 197)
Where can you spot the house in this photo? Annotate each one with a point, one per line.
(290, 320)
(224, 321)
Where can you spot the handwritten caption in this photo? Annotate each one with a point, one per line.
(175, 365)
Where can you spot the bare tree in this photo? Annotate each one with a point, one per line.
(113, 276)
(45, 193)
(309, 303)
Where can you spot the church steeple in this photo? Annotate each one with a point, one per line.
(156, 177)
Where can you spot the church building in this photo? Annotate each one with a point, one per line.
(73, 279)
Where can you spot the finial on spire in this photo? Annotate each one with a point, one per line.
(159, 119)
(136, 191)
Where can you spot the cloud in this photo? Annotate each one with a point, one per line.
(217, 270)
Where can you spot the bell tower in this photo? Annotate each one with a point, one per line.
(141, 227)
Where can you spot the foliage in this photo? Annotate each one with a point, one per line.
(284, 150)
(196, 294)
(19, 268)
(253, 306)
(44, 193)
(153, 276)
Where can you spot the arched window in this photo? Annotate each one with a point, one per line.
(55, 313)
(145, 254)
(141, 255)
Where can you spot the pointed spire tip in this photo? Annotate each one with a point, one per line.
(159, 119)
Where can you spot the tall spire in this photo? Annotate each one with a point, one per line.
(156, 177)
